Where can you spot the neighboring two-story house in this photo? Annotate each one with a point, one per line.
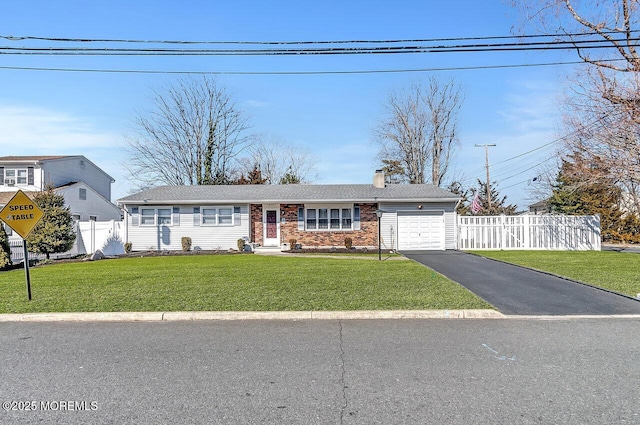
(86, 188)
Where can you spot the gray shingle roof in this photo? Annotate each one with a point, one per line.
(290, 193)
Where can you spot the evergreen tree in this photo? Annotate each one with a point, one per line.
(582, 188)
(498, 205)
(54, 233)
(290, 178)
(5, 249)
(464, 206)
(254, 177)
(393, 170)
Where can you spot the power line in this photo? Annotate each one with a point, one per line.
(478, 48)
(370, 71)
(303, 42)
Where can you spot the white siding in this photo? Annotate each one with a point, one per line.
(389, 221)
(37, 176)
(60, 172)
(203, 237)
(94, 204)
(71, 169)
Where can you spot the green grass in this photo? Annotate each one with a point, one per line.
(232, 283)
(617, 271)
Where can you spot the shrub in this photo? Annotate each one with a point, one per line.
(127, 247)
(241, 244)
(186, 243)
(348, 242)
(5, 249)
(292, 243)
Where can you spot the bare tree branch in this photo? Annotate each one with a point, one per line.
(276, 159)
(193, 136)
(420, 130)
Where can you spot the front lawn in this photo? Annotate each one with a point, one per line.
(232, 283)
(617, 271)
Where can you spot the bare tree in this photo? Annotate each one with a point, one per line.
(614, 22)
(279, 162)
(443, 102)
(193, 136)
(420, 129)
(602, 110)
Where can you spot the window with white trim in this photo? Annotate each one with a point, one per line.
(147, 216)
(161, 216)
(328, 218)
(217, 216)
(164, 216)
(15, 176)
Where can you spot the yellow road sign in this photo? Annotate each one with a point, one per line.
(21, 214)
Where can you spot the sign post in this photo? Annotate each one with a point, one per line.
(22, 215)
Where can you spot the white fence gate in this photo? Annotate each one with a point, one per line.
(529, 231)
(90, 236)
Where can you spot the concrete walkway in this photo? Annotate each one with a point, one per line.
(515, 290)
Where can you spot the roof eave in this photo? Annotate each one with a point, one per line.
(276, 201)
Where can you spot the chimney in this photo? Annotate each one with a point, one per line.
(378, 179)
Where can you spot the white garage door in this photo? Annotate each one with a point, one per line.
(424, 230)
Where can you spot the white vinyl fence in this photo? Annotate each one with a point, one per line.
(90, 236)
(527, 231)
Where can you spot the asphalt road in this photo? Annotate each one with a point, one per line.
(516, 290)
(497, 371)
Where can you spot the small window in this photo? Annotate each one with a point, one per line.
(323, 219)
(21, 178)
(76, 217)
(346, 218)
(164, 216)
(147, 216)
(225, 216)
(335, 218)
(209, 216)
(311, 219)
(82, 194)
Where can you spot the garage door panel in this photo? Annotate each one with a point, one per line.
(421, 231)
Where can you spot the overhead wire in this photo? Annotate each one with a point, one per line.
(557, 155)
(301, 42)
(561, 42)
(491, 47)
(366, 71)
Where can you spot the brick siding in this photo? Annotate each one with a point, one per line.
(367, 236)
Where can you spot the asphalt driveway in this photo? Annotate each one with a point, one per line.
(520, 291)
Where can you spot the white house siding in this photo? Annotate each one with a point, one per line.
(93, 206)
(169, 237)
(37, 177)
(389, 221)
(73, 169)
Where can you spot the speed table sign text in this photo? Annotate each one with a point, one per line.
(21, 214)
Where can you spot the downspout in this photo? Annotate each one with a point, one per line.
(456, 230)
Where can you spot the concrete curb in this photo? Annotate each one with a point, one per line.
(576, 316)
(249, 315)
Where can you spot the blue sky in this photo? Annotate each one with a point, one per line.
(331, 115)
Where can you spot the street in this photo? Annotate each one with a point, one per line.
(447, 371)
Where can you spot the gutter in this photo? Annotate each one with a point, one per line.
(277, 201)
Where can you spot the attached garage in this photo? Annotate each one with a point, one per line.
(421, 230)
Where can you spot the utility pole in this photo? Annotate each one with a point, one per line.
(486, 162)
